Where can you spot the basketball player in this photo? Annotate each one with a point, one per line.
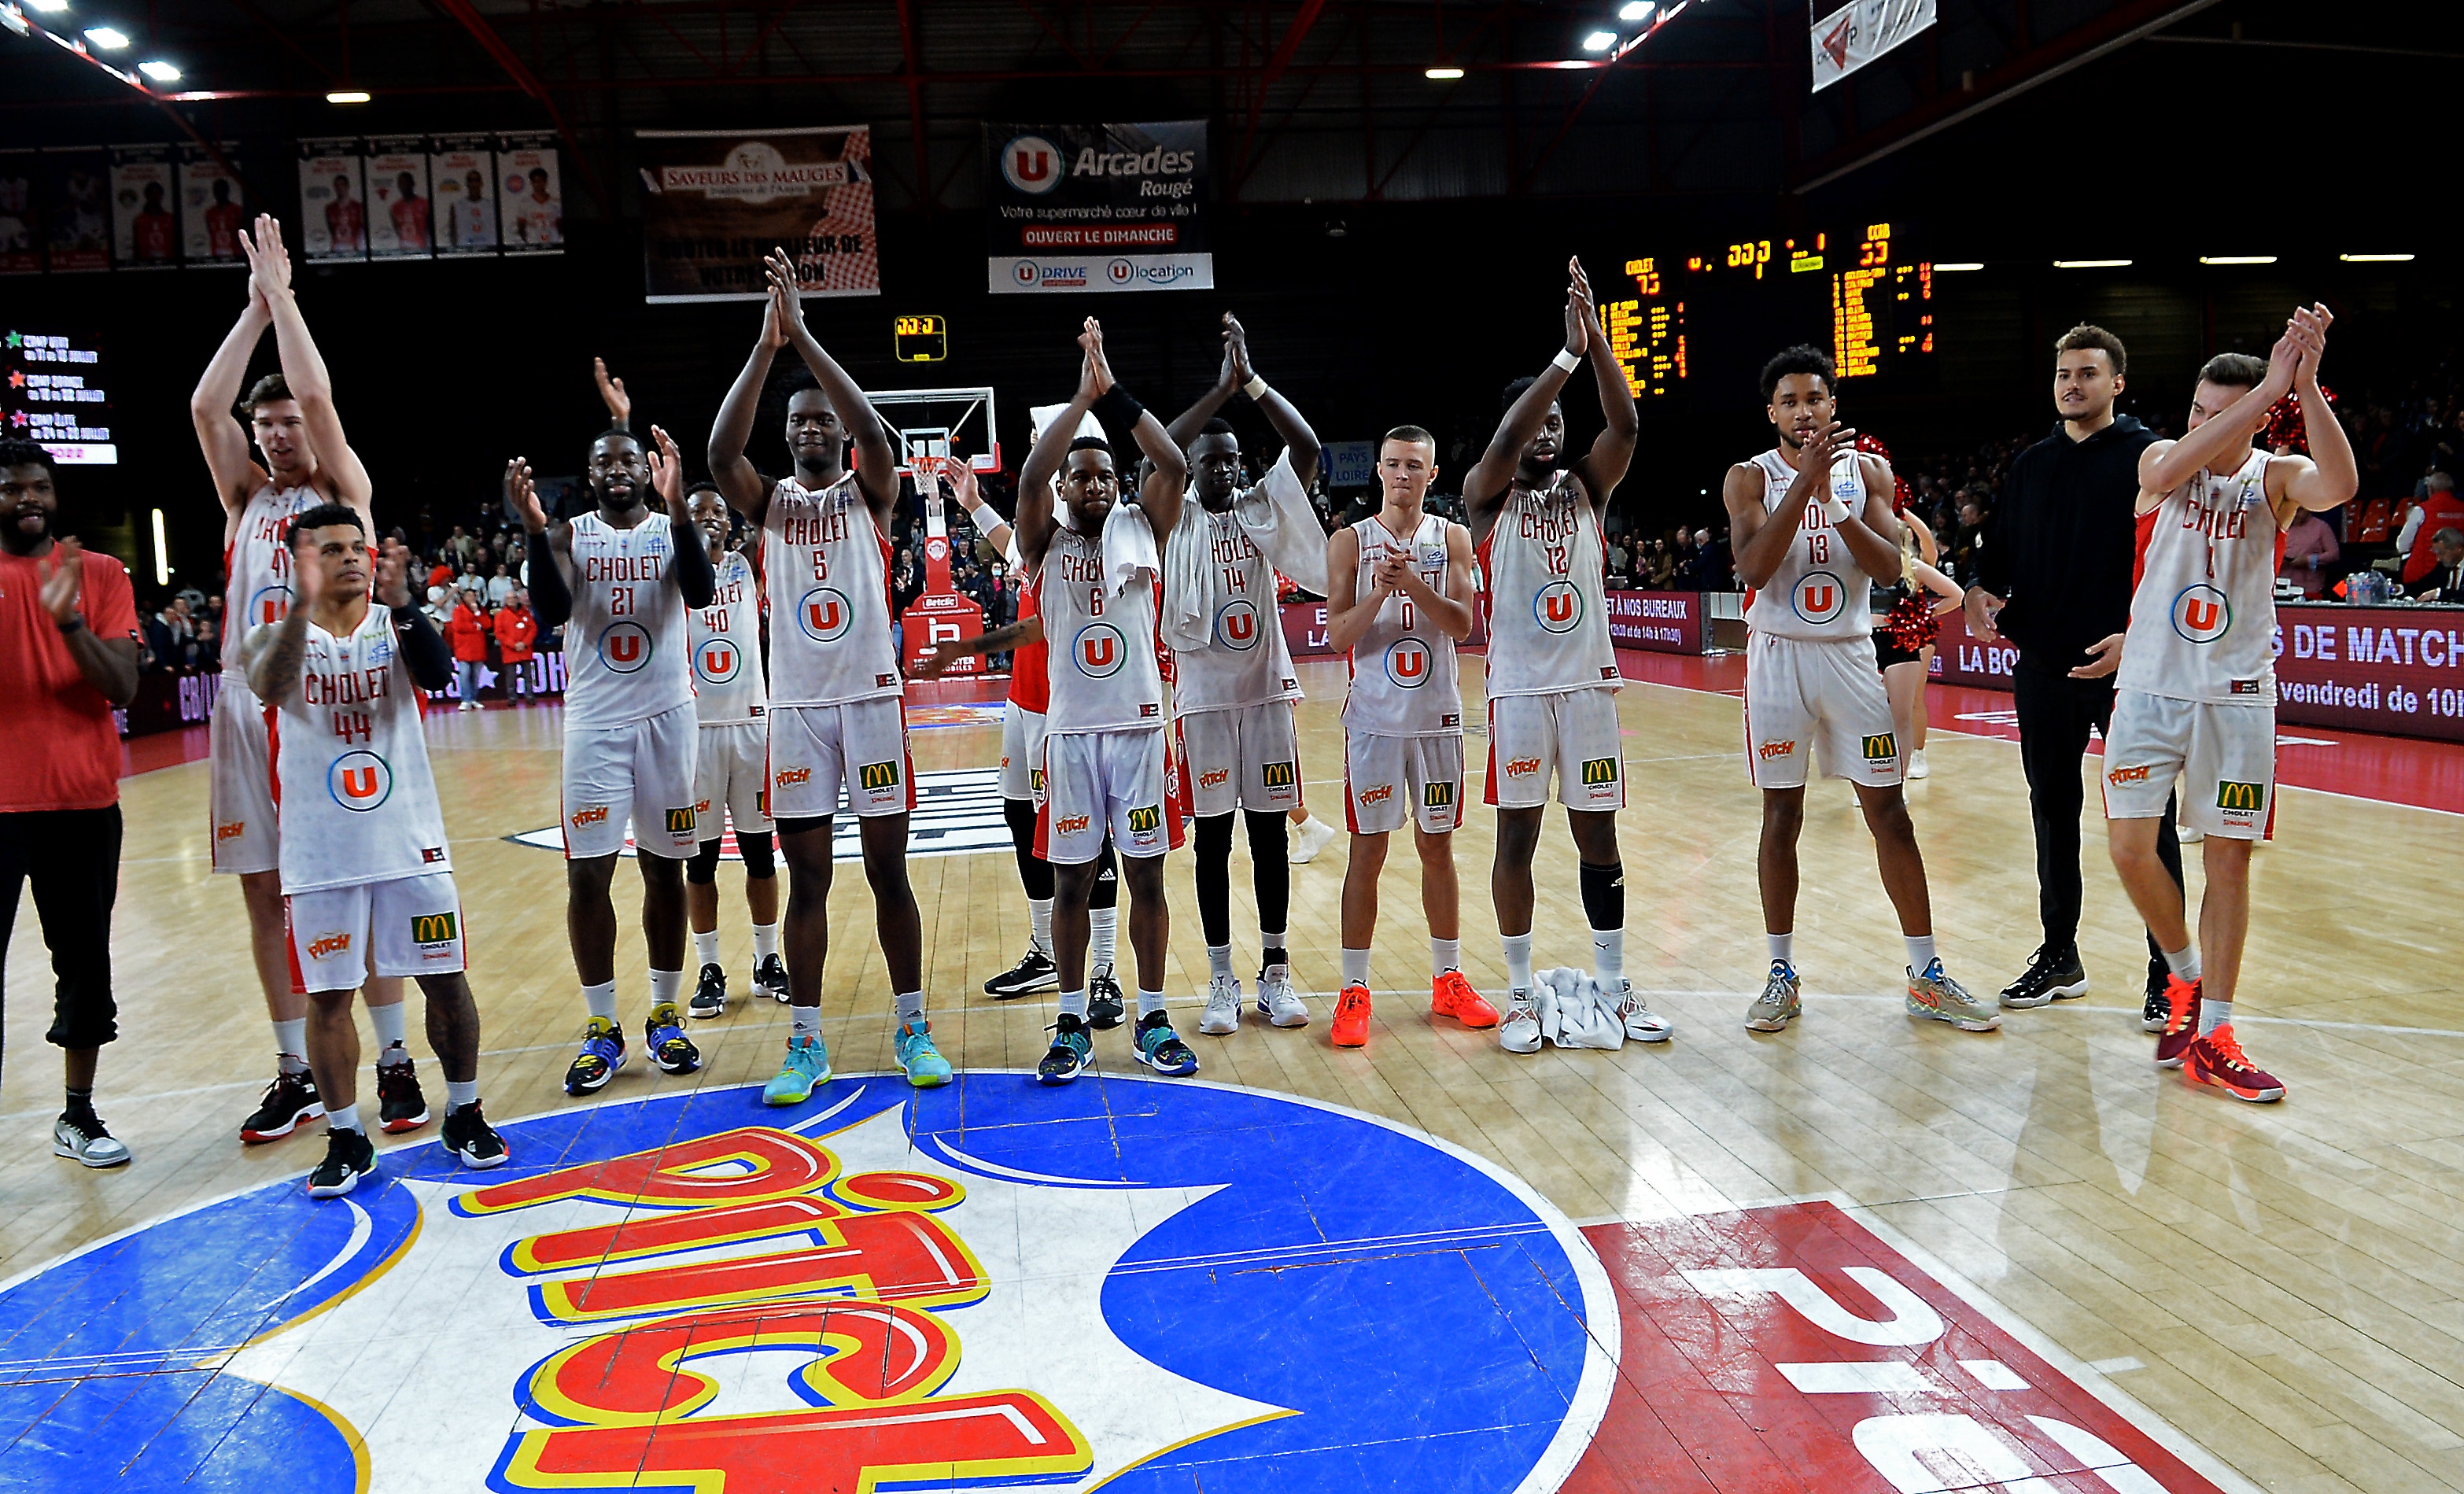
(620, 580)
(1399, 597)
(366, 874)
(838, 710)
(1553, 676)
(1812, 527)
(307, 461)
(1236, 684)
(731, 761)
(1096, 562)
(2197, 683)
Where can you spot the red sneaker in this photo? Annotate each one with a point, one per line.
(1352, 1017)
(2218, 1060)
(1450, 995)
(2181, 1022)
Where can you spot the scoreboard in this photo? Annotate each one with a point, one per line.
(52, 393)
(1707, 318)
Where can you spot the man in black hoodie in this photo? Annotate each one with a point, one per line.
(2054, 577)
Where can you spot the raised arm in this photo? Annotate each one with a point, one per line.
(611, 393)
(2167, 465)
(1871, 533)
(1299, 442)
(987, 519)
(550, 548)
(303, 368)
(1034, 522)
(876, 465)
(275, 652)
(697, 579)
(1485, 486)
(745, 490)
(109, 664)
(1015, 635)
(219, 433)
(2331, 476)
(1167, 477)
(1603, 467)
(424, 649)
(1186, 426)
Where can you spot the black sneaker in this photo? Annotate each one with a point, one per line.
(290, 1101)
(771, 976)
(662, 1033)
(348, 1155)
(2158, 1009)
(468, 1136)
(710, 996)
(2052, 975)
(400, 1106)
(1032, 973)
(1104, 1004)
(1072, 1052)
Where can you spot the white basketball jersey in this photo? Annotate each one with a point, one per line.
(1546, 570)
(1246, 661)
(2203, 615)
(256, 568)
(353, 796)
(828, 569)
(1404, 671)
(726, 638)
(1818, 592)
(626, 654)
(1101, 645)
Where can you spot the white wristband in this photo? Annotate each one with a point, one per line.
(1835, 508)
(1567, 360)
(1256, 387)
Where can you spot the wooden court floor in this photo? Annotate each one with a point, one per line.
(2279, 1283)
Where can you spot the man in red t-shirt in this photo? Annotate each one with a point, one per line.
(68, 654)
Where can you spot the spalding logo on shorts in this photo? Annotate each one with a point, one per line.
(1099, 651)
(1407, 663)
(1559, 607)
(360, 781)
(695, 1290)
(2202, 613)
(1236, 627)
(624, 646)
(824, 615)
(718, 661)
(1819, 597)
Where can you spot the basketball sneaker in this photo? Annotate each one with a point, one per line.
(2154, 1011)
(1779, 1005)
(1313, 835)
(290, 1101)
(349, 1157)
(2218, 1060)
(1453, 994)
(1072, 1052)
(1222, 1014)
(926, 1069)
(1105, 1007)
(1032, 973)
(79, 1135)
(1350, 1027)
(400, 1106)
(1917, 768)
(770, 976)
(710, 994)
(602, 1053)
(1277, 1002)
(1936, 996)
(1161, 1049)
(1642, 1024)
(468, 1136)
(1520, 1030)
(664, 1034)
(2181, 1026)
(2053, 975)
(809, 1065)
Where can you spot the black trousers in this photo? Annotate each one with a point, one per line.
(2054, 714)
(73, 858)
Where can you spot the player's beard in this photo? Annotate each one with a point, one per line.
(21, 542)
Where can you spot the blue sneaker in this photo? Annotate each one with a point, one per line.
(664, 1035)
(1072, 1052)
(1161, 1049)
(924, 1064)
(809, 1065)
(602, 1053)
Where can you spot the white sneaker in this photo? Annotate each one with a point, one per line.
(1314, 835)
(1280, 1003)
(82, 1138)
(1917, 768)
(1520, 1031)
(1642, 1023)
(1222, 1006)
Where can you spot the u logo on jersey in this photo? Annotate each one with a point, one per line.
(1099, 651)
(268, 605)
(624, 646)
(1408, 663)
(1559, 607)
(2202, 614)
(824, 615)
(1818, 596)
(1236, 627)
(360, 781)
(717, 661)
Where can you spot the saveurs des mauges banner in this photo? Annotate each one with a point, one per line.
(1097, 208)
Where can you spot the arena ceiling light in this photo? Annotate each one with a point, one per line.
(160, 71)
(47, 7)
(2237, 259)
(2090, 264)
(1599, 41)
(1442, 74)
(2376, 259)
(1963, 264)
(108, 38)
(1638, 11)
(347, 96)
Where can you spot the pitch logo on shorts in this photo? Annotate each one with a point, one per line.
(1599, 770)
(1215, 778)
(1379, 795)
(789, 778)
(360, 781)
(1522, 767)
(324, 945)
(1769, 750)
(2118, 777)
(2240, 798)
(1819, 597)
(2202, 614)
(1236, 627)
(1071, 824)
(1881, 747)
(232, 831)
(1558, 609)
(624, 646)
(1408, 663)
(824, 615)
(594, 814)
(877, 775)
(1099, 651)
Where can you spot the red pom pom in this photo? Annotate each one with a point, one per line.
(2284, 430)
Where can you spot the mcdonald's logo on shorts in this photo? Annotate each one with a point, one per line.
(1437, 796)
(1882, 747)
(435, 927)
(1144, 820)
(1599, 770)
(680, 822)
(877, 775)
(2246, 798)
(1279, 775)
(1035, 781)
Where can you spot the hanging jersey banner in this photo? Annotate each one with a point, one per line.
(714, 202)
(333, 200)
(1097, 208)
(1861, 30)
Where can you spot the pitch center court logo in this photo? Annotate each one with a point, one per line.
(360, 781)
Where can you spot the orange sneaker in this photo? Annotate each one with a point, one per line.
(2181, 1022)
(2218, 1060)
(1450, 995)
(1352, 1017)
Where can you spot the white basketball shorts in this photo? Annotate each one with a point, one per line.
(858, 745)
(407, 926)
(242, 791)
(1244, 758)
(1021, 769)
(1571, 732)
(642, 769)
(1801, 692)
(1096, 783)
(731, 779)
(2225, 756)
(1388, 781)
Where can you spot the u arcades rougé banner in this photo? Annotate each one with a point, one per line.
(1097, 208)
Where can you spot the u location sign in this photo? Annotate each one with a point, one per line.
(1097, 208)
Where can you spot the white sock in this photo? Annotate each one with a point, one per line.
(600, 999)
(290, 1041)
(1270, 942)
(343, 1117)
(1608, 957)
(706, 947)
(1102, 931)
(1219, 962)
(1920, 950)
(911, 1006)
(1518, 961)
(807, 1021)
(2182, 962)
(2213, 1014)
(765, 941)
(459, 1094)
(1783, 948)
(664, 986)
(1073, 1003)
(1444, 955)
(1355, 967)
(1150, 1002)
(388, 1024)
(1039, 921)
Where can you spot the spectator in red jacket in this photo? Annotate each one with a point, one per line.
(517, 634)
(468, 632)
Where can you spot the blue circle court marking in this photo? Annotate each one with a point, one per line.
(1145, 1285)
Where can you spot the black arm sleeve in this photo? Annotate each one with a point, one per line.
(694, 576)
(551, 602)
(423, 649)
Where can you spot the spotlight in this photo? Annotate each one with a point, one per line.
(2376, 259)
(160, 71)
(2237, 259)
(2090, 264)
(1442, 74)
(1599, 41)
(346, 96)
(105, 37)
(47, 7)
(1638, 11)
(1965, 264)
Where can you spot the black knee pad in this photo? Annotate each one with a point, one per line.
(701, 868)
(802, 824)
(1603, 893)
(759, 862)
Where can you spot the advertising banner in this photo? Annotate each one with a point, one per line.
(212, 218)
(462, 204)
(77, 195)
(401, 220)
(21, 248)
(529, 194)
(1349, 464)
(1663, 621)
(145, 235)
(333, 200)
(715, 201)
(1861, 30)
(1097, 208)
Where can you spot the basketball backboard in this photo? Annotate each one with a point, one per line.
(942, 423)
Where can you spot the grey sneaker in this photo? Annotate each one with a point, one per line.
(1642, 1023)
(1278, 1000)
(1936, 996)
(1520, 1031)
(80, 1135)
(1779, 1005)
(1222, 1006)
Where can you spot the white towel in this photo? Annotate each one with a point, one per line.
(1277, 517)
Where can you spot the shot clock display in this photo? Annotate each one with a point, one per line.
(920, 339)
(1706, 318)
